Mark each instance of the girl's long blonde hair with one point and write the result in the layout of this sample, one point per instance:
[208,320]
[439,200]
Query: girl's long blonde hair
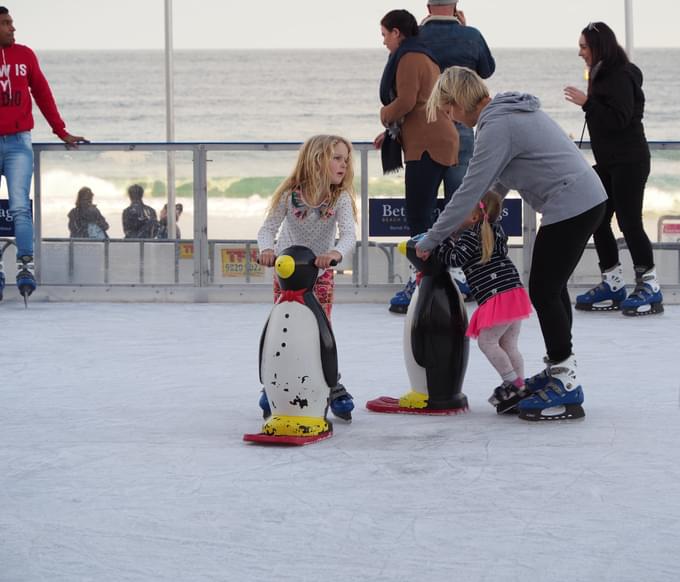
[456,85]
[489,210]
[312,174]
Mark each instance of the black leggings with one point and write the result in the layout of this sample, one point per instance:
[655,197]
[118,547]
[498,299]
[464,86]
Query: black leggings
[625,186]
[557,251]
[421,181]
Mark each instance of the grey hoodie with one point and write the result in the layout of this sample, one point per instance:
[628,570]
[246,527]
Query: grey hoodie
[519,147]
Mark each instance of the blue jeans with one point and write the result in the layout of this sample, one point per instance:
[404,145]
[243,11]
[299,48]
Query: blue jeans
[454,175]
[16,165]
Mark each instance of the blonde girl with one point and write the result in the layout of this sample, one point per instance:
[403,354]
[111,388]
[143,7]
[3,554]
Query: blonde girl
[310,207]
[481,250]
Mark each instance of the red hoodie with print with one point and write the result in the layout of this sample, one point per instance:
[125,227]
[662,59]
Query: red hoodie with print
[19,73]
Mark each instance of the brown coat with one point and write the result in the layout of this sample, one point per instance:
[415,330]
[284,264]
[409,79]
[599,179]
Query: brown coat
[416,76]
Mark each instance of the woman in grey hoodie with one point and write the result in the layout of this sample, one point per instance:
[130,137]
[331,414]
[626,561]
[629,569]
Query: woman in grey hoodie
[519,147]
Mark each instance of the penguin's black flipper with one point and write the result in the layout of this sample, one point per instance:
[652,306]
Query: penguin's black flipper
[329,351]
[264,334]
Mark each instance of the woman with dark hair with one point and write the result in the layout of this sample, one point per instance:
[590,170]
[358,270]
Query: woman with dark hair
[85,220]
[614,107]
[429,149]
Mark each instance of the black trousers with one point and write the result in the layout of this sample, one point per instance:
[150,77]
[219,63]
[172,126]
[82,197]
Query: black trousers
[625,186]
[421,180]
[557,251]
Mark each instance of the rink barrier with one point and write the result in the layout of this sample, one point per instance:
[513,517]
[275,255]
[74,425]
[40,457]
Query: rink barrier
[373,269]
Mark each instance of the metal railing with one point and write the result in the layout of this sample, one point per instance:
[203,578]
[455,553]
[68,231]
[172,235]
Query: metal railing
[204,248]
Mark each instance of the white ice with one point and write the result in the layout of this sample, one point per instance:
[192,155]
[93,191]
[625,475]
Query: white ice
[121,457]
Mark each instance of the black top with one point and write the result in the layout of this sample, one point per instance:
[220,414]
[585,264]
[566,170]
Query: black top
[614,112]
[139,221]
[81,217]
[488,279]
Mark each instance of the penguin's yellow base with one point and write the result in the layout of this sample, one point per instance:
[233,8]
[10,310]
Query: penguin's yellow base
[295,426]
[413,400]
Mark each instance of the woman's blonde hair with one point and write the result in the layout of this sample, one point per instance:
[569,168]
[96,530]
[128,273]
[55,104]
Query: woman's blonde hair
[456,86]
[312,174]
[489,209]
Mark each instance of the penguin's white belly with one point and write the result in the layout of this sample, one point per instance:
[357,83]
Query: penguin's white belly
[416,373]
[292,373]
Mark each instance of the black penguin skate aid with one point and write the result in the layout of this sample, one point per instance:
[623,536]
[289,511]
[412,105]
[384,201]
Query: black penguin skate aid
[298,357]
[435,345]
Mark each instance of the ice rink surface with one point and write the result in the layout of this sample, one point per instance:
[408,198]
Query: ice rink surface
[121,457]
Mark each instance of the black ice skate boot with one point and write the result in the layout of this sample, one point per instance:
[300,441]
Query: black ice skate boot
[26,276]
[507,396]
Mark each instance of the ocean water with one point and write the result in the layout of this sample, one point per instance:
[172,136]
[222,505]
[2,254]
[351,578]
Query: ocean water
[283,95]
[289,94]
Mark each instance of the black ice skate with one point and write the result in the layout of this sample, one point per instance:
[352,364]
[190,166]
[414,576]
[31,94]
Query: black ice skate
[507,396]
[26,277]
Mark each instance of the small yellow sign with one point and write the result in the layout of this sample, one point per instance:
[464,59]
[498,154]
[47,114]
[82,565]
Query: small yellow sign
[234,263]
[186,250]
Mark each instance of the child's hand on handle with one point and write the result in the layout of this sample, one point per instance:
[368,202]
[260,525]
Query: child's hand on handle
[329,259]
[422,254]
[267,258]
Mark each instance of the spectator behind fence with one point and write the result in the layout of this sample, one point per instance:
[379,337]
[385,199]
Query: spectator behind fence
[139,220]
[85,220]
[163,225]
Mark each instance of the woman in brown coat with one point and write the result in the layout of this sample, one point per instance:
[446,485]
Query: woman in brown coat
[429,148]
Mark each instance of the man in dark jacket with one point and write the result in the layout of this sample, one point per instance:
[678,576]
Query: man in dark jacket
[139,220]
[453,43]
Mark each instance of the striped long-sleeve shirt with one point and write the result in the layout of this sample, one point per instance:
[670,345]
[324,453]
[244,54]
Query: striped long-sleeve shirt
[488,279]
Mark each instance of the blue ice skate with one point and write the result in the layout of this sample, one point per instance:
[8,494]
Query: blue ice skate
[607,296]
[402,299]
[555,394]
[264,405]
[341,403]
[461,282]
[646,298]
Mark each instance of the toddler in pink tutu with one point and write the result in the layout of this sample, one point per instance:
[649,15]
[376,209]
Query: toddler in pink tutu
[481,250]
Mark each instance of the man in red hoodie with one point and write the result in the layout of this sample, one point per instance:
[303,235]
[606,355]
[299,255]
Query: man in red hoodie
[21,77]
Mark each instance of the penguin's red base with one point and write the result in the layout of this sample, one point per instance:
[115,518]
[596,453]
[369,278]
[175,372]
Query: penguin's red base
[270,439]
[390,405]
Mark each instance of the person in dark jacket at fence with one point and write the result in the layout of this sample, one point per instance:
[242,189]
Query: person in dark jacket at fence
[163,226]
[85,220]
[139,220]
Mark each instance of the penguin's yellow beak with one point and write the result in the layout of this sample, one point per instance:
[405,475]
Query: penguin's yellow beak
[284,266]
[401,247]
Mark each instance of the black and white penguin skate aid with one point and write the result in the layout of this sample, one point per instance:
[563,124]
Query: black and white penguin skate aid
[435,345]
[298,357]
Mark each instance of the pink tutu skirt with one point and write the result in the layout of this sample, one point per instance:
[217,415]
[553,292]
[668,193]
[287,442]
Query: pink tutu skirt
[503,308]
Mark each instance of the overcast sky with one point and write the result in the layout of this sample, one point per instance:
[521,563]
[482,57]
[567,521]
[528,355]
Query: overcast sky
[214,24]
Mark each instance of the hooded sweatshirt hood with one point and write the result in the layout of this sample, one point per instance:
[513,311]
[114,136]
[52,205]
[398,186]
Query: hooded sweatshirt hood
[510,102]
